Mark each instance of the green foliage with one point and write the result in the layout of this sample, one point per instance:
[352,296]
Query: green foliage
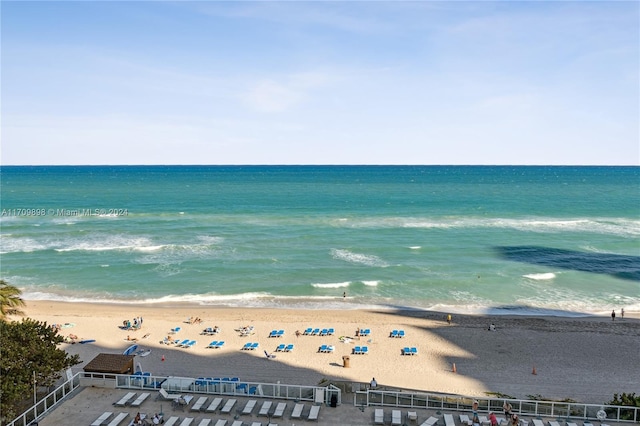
[26,347]
[626,400]
[10,301]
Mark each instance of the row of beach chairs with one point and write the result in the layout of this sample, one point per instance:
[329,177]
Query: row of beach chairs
[319,332]
[360,350]
[410,350]
[396,418]
[250,346]
[215,344]
[397,333]
[276,333]
[285,348]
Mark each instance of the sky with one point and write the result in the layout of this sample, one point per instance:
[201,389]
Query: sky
[320,82]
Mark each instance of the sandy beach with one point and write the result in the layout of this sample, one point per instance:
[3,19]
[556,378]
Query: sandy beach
[585,359]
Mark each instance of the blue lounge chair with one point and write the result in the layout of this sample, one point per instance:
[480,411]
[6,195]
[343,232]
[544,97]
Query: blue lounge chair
[394,333]
[274,333]
[406,351]
[213,344]
[307,331]
[246,346]
[330,332]
[280,333]
[357,350]
[174,330]
[364,350]
[280,347]
[220,344]
[315,332]
[414,351]
[191,344]
[181,344]
[400,333]
[289,347]
[254,346]
[324,332]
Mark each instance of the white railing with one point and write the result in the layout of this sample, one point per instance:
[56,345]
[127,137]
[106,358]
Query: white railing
[47,403]
[226,386]
[551,409]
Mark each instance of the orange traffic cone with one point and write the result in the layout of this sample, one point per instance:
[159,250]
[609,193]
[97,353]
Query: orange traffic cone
[534,371]
[162,359]
[453,368]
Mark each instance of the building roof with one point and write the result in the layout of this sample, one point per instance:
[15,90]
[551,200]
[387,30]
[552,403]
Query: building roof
[110,363]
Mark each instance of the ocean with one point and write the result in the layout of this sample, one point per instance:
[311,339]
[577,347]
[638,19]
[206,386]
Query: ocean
[463,239]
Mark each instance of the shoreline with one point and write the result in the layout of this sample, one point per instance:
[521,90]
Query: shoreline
[340,303]
[567,353]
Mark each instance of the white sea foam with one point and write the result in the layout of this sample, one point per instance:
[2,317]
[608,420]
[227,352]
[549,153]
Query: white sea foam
[10,244]
[331,285]
[358,258]
[371,283]
[541,276]
[609,226]
[415,247]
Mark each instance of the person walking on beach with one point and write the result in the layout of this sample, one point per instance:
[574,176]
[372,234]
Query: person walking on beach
[613,315]
[449,319]
[622,313]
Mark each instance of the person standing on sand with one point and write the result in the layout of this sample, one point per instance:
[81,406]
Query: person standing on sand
[449,319]
[613,315]
[622,313]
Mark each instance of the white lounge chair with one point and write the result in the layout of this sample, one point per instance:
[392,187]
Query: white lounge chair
[172,421]
[378,416]
[186,421]
[537,422]
[214,405]
[256,424]
[125,399]
[555,423]
[572,424]
[140,399]
[199,403]
[264,410]
[103,418]
[412,416]
[204,422]
[169,396]
[237,423]
[431,421]
[396,417]
[118,419]
[221,422]
[249,406]
[297,411]
[448,420]
[314,412]
[279,412]
[464,419]
[228,406]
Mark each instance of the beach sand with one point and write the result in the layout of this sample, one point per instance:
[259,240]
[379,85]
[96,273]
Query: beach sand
[585,359]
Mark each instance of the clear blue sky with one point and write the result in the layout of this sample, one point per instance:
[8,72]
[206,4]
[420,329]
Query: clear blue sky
[394,82]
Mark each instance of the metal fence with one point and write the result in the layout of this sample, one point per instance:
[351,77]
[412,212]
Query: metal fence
[549,409]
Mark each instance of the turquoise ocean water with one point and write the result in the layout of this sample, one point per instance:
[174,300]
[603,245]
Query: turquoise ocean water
[471,239]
